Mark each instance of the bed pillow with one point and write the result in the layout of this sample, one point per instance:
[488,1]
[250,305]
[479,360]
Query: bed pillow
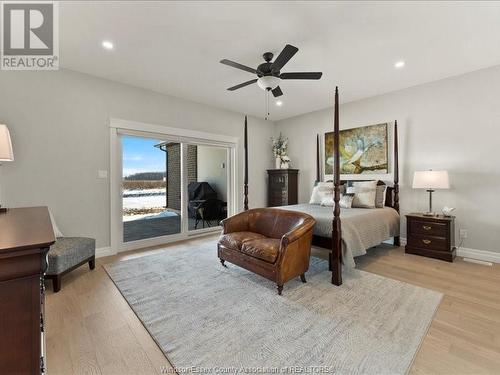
[344,202]
[327,200]
[364,194]
[315,196]
[380,196]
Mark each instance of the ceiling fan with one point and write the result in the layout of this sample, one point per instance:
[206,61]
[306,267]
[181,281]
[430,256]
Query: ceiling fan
[269,73]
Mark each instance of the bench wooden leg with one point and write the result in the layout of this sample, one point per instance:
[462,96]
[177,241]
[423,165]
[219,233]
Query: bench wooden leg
[303,278]
[92,263]
[280,289]
[56,283]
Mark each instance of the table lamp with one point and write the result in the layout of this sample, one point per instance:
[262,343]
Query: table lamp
[6,152]
[431,180]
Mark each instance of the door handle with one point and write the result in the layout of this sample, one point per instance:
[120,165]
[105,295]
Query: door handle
[426,227]
[427,242]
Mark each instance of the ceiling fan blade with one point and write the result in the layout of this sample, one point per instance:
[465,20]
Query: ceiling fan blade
[302,75]
[277,92]
[284,57]
[242,85]
[238,66]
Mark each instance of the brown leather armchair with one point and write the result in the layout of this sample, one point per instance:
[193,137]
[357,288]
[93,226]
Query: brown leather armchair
[271,242]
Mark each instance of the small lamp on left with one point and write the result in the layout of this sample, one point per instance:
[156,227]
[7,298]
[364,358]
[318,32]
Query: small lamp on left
[6,152]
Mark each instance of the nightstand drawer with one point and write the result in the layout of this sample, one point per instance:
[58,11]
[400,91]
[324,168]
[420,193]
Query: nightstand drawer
[428,242]
[429,228]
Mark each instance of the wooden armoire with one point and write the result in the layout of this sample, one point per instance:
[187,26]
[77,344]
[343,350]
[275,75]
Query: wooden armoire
[282,188]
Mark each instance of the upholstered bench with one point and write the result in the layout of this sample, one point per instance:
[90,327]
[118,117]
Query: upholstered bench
[67,254]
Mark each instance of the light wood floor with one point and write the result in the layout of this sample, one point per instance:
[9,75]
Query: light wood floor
[92,330]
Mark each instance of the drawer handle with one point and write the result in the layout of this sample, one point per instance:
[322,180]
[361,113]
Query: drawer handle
[426,227]
[426,241]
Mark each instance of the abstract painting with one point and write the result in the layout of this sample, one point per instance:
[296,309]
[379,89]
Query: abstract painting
[363,150]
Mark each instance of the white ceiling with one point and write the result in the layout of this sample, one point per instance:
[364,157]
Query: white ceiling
[175,47]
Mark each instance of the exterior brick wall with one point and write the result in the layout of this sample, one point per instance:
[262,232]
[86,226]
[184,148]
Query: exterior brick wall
[174,172]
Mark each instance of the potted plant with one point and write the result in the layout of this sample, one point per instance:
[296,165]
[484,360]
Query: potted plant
[280,150]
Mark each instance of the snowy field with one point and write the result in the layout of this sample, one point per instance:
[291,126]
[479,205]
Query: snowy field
[145,199]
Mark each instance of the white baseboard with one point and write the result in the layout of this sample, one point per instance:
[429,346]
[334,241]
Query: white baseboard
[483,255]
[104,252]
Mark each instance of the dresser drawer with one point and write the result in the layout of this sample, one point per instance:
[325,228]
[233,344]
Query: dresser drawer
[428,242]
[278,181]
[429,228]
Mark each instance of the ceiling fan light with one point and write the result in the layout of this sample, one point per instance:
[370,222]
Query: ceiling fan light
[268,82]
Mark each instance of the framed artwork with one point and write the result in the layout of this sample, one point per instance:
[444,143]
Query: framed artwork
[363,150]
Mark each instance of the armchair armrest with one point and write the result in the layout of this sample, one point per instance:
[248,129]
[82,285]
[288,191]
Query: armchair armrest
[297,232]
[236,223]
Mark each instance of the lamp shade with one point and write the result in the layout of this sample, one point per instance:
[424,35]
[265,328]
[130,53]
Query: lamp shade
[431,180]
[6,152]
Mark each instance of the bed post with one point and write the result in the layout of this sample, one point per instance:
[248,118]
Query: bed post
[336,254]
[396,177]
[245,182]
[318,174]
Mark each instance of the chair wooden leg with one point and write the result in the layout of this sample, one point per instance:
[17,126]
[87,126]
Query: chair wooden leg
[92,263]
[222,262]
[56,283]
[280,289]
[303,278]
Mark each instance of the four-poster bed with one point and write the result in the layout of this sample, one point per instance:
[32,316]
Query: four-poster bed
[360,228]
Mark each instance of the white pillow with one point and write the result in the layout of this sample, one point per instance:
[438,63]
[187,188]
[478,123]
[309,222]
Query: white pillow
[346,200]
[315,196]
[319,191]
[327,200]
[364,194]
[57,232]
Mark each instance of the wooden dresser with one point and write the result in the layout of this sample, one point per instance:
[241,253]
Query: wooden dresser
[282,187]
[431,236]
[26,235]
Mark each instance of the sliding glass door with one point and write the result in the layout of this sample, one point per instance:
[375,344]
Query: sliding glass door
[151,188]
[166,187]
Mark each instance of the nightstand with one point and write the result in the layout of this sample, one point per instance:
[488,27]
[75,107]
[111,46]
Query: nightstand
[431,236]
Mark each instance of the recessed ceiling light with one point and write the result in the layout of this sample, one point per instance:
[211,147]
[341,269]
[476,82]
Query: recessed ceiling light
[399,64]
[107,44]
[279,103]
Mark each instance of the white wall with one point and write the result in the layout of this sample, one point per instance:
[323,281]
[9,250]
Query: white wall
[59,127]
[210,160]
[452,124]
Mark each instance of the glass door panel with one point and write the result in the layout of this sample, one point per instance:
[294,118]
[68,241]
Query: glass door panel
[151,188]
[207,186]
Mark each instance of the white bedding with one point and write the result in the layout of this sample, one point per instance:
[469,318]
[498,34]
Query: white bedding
[362,228]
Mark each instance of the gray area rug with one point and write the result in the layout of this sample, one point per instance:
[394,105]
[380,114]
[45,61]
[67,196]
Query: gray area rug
[228,319]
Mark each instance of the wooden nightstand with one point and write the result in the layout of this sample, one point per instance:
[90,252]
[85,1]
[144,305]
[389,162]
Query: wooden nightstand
[431,236]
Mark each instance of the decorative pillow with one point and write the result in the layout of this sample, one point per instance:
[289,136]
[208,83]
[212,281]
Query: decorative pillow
[365,193]
[345,200]
[315,196]
[380,196]
[327,200]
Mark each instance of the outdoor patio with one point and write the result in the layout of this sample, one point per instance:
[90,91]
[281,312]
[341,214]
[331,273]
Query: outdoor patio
[135,230]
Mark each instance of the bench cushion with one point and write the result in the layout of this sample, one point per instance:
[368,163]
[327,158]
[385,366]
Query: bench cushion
[236,239]
[265,249]
[68,252]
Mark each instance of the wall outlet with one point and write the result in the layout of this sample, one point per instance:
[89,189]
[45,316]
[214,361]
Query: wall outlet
[463,233]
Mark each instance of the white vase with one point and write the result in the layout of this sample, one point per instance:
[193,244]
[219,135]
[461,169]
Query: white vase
[278,163]
[285,165]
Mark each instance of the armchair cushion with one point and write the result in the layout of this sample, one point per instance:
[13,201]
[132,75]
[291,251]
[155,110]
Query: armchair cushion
[266,249]
[235,240]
